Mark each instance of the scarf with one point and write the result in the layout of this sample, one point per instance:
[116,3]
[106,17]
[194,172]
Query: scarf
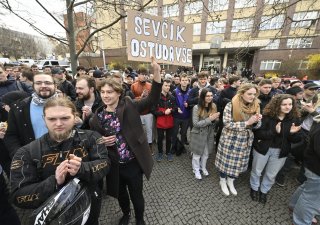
[242,111]
[41,101]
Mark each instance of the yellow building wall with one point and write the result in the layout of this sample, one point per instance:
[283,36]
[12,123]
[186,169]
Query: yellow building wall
[244,13]
[308,5]
[151,4]
[196,38]
[222,15]
[110,38]
[269,33]
[302,32]
[209,37]
[169,2]
[240,35]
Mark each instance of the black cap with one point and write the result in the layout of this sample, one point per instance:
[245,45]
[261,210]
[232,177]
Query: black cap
[294,82]
[98,74]
[311,86]
[294,90]
[56,70]
[13,96]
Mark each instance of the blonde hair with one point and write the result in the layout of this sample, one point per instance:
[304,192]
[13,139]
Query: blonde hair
[60,101]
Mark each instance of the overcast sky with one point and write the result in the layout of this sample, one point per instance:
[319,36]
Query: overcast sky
[30,10]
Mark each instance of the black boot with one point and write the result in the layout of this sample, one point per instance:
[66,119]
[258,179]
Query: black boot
[263,198]
[254,195]
[124,219]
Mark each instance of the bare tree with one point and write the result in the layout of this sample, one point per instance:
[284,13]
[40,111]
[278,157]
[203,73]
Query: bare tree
[16,44]
[89,7]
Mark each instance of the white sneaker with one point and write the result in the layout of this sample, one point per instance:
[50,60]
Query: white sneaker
[223,185]
[231,186]
[205,172]
[198,175]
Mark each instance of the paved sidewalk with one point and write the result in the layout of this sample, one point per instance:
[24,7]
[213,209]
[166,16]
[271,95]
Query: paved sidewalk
[173,197]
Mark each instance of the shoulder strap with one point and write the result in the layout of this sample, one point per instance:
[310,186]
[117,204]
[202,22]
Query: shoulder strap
[36,155]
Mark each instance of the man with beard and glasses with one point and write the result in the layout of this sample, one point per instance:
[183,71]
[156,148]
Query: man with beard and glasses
[88,99]
[61,154]
[25,120]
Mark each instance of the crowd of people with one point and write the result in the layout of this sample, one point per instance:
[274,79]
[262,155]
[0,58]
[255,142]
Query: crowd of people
[56,129]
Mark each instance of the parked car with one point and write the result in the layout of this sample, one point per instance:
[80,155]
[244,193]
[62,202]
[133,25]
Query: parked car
[4,60]
[49,62]
[28,62]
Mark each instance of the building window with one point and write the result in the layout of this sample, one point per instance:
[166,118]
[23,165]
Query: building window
[216,27]
[218,5]
[304,19]
[275,2]
[212,62]
[151,11]
[299,42]
[245,3]
[170,10]
[273,44]
[242,25]
[272,22]
[302,64]
[270,65]
[193,7]
[196,28]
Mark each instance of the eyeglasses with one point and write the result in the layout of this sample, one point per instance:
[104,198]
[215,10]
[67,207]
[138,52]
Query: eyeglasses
[47,83]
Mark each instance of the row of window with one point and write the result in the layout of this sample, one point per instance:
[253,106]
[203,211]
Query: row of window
[276,65]
[291,43]
[195,7]
[301,19]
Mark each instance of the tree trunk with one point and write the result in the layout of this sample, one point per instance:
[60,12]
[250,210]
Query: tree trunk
[72,38]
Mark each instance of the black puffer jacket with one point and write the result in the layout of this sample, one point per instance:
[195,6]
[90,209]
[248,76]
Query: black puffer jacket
[266,136]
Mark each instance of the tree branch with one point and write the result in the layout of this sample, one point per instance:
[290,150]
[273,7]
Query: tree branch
[52,16]
[8,7]
[106,27]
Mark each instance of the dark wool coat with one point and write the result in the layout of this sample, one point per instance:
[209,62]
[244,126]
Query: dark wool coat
[20,131]
[128,111]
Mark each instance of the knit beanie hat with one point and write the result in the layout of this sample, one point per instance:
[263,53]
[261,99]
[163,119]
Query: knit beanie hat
[13,96]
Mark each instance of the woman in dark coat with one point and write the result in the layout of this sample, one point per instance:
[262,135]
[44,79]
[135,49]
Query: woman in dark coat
[118,121]
[272,143]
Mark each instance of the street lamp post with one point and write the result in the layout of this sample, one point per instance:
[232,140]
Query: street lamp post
[103,54]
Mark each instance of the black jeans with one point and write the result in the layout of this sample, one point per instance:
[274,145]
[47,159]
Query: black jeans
[130,178]
[96,200]
[183,124]
[7,213]
[168,139]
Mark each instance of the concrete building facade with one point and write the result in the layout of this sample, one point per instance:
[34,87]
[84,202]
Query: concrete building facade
[262,35]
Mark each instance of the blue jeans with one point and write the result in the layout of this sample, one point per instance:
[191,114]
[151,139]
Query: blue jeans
[305,201]
[271,163]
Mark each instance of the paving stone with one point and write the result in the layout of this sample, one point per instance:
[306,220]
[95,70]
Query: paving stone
[174,196]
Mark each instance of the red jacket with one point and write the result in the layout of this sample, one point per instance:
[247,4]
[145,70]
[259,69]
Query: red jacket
[165,102]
